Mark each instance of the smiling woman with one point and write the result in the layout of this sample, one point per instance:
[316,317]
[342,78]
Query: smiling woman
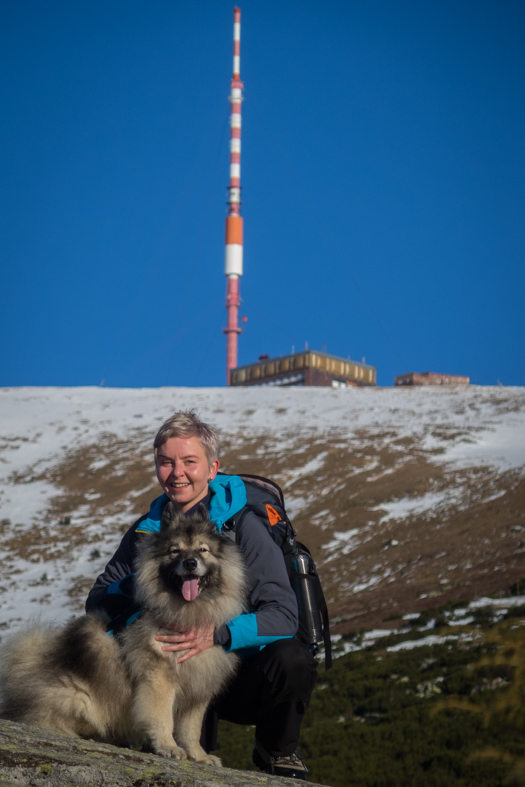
[186,459]
[278,672]
[184,472]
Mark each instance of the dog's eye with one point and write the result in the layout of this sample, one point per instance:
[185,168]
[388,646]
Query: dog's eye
[203,549]
[174,551]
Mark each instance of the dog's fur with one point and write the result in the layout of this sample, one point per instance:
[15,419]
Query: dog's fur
[79,680]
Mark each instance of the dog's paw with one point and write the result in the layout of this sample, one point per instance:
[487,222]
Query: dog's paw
[208,759]
[175,752]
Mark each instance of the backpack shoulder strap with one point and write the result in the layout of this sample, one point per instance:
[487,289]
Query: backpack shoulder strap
[231,528]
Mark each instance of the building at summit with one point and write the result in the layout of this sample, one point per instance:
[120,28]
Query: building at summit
[308,367]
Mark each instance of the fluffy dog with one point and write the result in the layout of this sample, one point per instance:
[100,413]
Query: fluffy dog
[124,689]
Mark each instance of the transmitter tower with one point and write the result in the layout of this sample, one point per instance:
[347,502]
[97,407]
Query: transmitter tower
[234,229]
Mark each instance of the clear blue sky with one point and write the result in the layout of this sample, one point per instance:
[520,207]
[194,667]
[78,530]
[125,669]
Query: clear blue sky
[383,181]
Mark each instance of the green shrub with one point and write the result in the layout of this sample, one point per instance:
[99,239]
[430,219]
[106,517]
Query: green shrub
[368,725]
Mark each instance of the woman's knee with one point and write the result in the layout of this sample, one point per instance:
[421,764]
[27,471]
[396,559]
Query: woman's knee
[289,662]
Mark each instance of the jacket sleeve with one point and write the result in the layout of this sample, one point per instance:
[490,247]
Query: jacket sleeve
[112,593]
[271,599]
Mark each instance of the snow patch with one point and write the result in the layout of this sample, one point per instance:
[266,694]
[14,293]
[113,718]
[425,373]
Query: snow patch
[40,426]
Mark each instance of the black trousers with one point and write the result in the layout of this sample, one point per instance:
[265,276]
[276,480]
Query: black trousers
[270,690]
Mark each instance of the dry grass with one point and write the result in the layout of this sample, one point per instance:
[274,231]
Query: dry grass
[470,547]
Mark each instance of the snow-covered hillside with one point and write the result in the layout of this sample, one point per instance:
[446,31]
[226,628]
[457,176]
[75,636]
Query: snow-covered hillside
[408,496]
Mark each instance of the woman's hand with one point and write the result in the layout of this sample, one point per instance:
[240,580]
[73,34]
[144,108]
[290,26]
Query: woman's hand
[194,640]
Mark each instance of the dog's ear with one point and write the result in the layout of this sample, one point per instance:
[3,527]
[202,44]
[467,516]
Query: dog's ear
[169,516]
[203,511]
[203,519]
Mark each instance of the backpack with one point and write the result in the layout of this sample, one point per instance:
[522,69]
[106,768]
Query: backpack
[265,498]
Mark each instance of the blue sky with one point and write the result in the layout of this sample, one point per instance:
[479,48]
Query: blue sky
[383,183]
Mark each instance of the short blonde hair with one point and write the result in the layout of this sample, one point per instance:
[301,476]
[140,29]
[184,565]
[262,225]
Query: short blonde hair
[185,423]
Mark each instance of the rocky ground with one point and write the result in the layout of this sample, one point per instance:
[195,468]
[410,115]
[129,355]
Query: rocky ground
[31,756]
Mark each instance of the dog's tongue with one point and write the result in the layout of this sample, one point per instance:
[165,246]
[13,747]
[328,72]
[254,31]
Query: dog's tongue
[190,589]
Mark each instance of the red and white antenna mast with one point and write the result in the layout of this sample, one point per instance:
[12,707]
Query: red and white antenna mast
[234,245]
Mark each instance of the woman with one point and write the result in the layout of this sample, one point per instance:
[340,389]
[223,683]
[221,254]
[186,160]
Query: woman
[277,674]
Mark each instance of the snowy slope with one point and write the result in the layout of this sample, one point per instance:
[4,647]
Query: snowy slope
[405,494]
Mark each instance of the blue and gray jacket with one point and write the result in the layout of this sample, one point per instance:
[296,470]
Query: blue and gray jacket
[271,599]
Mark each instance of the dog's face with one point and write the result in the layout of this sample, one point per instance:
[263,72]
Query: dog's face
[188,572]
[190,564]
[190,553]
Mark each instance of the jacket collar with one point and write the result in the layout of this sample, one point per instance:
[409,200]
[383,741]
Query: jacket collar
[228,496]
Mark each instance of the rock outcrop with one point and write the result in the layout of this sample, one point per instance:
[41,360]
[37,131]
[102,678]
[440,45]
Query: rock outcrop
[32,757]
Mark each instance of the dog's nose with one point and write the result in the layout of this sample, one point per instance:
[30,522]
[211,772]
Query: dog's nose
[190,564]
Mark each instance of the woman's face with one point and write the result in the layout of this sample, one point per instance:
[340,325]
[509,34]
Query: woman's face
[184,472]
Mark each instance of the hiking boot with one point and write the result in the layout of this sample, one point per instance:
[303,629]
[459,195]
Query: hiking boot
[292,765]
